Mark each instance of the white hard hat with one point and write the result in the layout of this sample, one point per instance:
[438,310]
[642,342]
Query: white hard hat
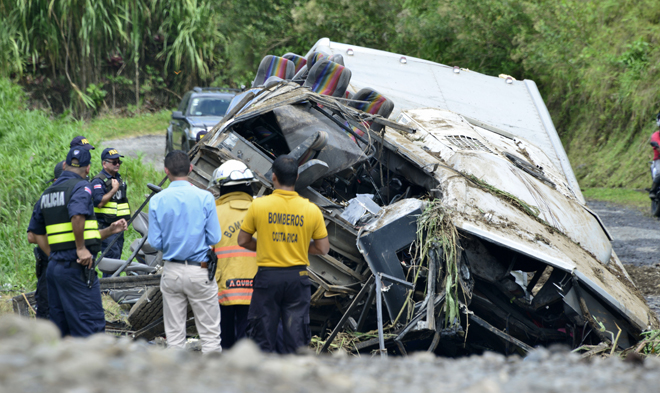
[231,173]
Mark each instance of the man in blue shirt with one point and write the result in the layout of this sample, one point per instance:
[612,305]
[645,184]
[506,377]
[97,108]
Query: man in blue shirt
[183,223]
[110,200]
[64,225]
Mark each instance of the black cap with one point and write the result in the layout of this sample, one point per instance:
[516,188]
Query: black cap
[57,172]
[81,141]
[82,154]
[110,153]
[200,135]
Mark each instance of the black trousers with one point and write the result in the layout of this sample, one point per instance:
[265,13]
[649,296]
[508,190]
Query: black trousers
[233,324]
[41,294]
[280,295]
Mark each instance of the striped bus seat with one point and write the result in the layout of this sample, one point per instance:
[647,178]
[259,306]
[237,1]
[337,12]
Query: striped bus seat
[298,61]
[312,58]
[273,66]
[328,78]
[374,103]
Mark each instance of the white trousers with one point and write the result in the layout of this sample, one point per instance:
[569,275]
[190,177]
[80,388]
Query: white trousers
[181,284]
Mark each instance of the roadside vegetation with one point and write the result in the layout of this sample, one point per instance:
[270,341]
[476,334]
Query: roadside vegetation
[595,62]
[621,196]
[31,143]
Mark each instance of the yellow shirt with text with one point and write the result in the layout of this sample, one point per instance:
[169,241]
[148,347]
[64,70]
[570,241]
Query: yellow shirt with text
[285,223]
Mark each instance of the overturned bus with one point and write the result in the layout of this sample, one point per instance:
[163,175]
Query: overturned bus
[455,222]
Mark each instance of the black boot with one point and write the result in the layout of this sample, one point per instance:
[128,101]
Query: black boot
[654,189]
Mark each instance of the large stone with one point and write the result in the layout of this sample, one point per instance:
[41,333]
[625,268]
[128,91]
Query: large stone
[18,334]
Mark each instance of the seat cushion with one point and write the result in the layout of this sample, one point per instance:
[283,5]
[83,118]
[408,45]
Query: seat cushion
[273,66]
[328,78]
[298,61]
[376,103]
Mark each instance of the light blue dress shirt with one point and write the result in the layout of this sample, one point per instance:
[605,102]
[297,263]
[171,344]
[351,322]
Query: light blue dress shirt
[183,222]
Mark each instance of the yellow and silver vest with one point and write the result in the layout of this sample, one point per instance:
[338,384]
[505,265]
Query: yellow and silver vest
[59,230]
[236,265]
[117,207]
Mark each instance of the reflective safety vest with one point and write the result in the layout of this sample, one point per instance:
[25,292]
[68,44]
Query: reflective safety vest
[59,229]
[236,265]
[117,207]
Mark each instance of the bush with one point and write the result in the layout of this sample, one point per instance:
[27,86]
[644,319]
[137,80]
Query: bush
[30,145]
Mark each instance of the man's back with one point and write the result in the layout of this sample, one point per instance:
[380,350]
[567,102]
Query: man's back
[285,223]
[183,222]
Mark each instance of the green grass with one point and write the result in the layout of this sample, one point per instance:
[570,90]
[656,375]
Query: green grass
[108,127]
[623,196]
[31,144]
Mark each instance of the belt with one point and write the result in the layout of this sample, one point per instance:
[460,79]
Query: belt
[295,268]
[203,265]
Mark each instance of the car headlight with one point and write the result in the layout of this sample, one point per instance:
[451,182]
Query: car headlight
[192,133]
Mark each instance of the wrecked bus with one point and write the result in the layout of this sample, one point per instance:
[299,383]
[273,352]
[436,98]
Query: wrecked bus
[456,224]
[455,221]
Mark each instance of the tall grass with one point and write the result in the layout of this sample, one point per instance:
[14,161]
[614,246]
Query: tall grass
[31,144]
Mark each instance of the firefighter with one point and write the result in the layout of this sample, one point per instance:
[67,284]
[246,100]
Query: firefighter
[289,228]
[236,265]
[110,200]
[64,219]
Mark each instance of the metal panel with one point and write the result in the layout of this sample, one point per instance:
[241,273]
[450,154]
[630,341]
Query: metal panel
[516,108]
[383,237]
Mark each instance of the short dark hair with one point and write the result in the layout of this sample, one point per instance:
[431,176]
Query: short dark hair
[178,163]
[285,169]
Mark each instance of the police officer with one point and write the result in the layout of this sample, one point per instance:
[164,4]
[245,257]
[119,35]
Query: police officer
[41,257]
[110,200]
[236,265]
[64,218]
[82,142]
[289,228]
[200,135]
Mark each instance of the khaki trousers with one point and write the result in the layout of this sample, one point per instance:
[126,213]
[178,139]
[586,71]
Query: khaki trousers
[181,284]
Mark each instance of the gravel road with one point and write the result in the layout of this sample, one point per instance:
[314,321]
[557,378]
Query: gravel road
[152,148]
[34,359]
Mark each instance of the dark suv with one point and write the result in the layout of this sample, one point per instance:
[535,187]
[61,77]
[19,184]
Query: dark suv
[200,110]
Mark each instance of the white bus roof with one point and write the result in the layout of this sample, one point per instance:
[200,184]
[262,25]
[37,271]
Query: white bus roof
[516,107]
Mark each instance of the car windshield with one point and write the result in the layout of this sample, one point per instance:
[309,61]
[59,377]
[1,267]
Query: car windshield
[208,106]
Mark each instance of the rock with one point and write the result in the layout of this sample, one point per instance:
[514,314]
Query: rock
[537,355]
[245,354]
[20,333]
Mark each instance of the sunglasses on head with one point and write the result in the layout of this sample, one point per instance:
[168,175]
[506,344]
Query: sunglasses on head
[114,162]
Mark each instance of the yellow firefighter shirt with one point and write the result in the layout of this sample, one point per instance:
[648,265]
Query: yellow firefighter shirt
[285,224]
[236,265]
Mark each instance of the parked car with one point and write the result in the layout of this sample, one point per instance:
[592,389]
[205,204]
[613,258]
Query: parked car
[200,110]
